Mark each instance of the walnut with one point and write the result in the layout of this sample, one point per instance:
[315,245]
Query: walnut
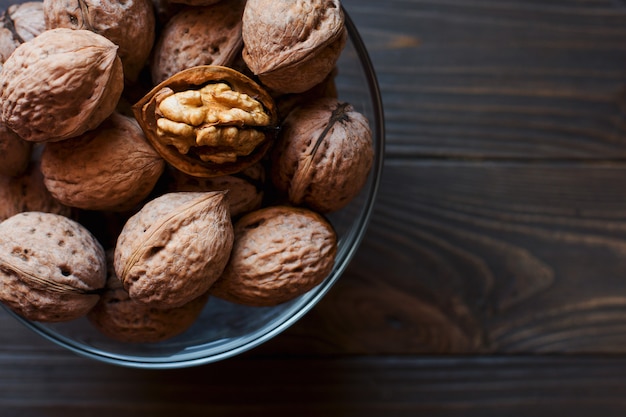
[292,45]
[18,24]
[279,253]
[174,248]
[208,35]
[14,153]
[287,102]
[198,2]
[245,188]
[73,76]
[51,267]
[208,120]
[164,10]
[119,317]
[323,155]
[27,192]
[112,167]
[129,24]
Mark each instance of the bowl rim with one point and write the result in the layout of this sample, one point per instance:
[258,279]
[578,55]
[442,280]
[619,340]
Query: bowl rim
[299,308]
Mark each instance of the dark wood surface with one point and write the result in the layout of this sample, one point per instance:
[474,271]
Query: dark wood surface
[492,279]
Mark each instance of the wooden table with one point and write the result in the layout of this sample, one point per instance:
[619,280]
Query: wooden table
[492,279]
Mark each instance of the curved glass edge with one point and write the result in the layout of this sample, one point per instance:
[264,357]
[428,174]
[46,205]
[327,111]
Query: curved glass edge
[299,309]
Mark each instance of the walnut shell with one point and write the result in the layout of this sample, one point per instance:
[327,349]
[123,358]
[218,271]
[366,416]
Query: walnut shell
[174,248]
[197,2]
[287,102]
[51,268]
[245,188]
[164,10]
[73,76]
[14,152]
[292,45]
[112,167]
[194,36]
[119,317]
[208,120]
[27,192]
[279,253]
[323,155]
[129,24]
[18,24]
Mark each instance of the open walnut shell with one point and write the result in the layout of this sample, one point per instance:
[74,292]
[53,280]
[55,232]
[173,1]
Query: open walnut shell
[208,120]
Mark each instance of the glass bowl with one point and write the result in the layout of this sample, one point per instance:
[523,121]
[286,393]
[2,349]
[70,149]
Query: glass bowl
[223,329]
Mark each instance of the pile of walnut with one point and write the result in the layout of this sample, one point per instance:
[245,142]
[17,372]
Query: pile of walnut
[153,155]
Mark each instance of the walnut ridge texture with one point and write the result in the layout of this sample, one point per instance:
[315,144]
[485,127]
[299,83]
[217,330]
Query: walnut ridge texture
[200,143]
[63,74]
[51,268]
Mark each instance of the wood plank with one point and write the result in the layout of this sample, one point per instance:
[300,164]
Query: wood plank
[499,79]
[312,387]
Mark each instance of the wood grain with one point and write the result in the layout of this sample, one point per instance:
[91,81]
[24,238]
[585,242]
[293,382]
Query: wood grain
[313,387]
[495,257]
[499,79]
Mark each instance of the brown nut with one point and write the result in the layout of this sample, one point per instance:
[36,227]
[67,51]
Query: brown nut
[174,248]
[14,152]
[245,188]
[119,317]
[27,192]
[196,2]
[323,155]
[208,120]
[129,24]
[51,268]
[18,24]
[112,167]
[292,46]
[73,76]
[287,102]
[209,35]
[279,253]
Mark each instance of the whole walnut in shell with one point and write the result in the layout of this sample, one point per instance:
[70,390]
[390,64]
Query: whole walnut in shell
[323,155]
[51,268]
[197,2]
[292,45]
[119,317]
[60,84]
[14,152]
[27,192]
[279,253]
[129,24]
[18,24]
[245,188]
[164,10]
[112,167]
[209,35]
[174,248]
